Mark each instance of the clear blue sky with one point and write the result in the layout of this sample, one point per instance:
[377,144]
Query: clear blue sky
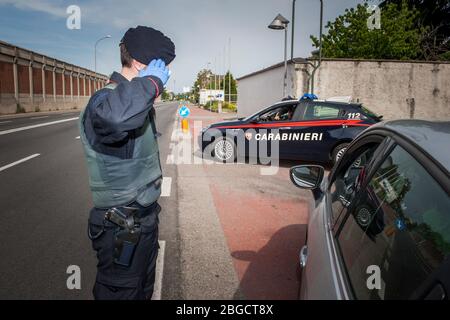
[200,30]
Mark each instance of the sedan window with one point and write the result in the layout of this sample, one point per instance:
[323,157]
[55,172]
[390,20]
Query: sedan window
[282,113]
[319,111]
[399,225]
[343,188]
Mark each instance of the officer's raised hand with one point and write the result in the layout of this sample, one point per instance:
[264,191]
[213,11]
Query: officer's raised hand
[156,68]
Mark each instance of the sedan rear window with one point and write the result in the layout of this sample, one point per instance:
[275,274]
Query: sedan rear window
[321,111]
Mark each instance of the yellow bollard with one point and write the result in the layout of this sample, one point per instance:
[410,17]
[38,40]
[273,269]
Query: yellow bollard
[185,125]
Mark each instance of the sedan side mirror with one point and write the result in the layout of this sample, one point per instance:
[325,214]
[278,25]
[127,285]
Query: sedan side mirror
[307,176]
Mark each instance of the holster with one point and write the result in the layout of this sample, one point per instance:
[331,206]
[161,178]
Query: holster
[126,235]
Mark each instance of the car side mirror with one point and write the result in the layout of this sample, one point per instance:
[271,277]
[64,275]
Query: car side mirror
[307,176]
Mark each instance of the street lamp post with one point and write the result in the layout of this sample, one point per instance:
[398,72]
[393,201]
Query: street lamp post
[95,51]
[320,48]
[280,23]
[292,29]
[320,35]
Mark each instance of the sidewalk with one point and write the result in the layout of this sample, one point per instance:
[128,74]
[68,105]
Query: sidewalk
[241,231]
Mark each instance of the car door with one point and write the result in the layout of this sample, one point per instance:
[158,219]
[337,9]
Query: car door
[318,130]
[271,129]
[322,262]
[356,121]
[393,237]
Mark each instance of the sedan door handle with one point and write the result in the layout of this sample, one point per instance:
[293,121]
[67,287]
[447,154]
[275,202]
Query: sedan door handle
[285,128]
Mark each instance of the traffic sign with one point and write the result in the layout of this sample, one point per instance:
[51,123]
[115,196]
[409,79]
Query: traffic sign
[184,111]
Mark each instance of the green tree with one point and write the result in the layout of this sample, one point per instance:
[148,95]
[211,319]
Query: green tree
[203,81]
[224,84]
[165,95]
[349,36]
[434,19]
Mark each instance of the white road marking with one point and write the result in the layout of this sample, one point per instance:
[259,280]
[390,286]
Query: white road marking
[19,161]
[170,159]
[157,289]
[77,138]
[39,117]
[166,187]
[67,114]
[5,121]
[36,126]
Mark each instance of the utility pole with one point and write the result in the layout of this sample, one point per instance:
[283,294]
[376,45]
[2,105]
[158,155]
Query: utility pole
[224,68]
[229,70]
[215,74]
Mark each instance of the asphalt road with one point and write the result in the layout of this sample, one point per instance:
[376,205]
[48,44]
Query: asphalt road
[44,206]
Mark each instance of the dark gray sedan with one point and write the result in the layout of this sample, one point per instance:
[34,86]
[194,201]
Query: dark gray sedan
[379,226]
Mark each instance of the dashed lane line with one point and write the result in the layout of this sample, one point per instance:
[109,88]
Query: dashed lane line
[19,161]
[159,272]
[166,187]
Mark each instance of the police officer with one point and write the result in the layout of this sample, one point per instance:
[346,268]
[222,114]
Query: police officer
[118,133]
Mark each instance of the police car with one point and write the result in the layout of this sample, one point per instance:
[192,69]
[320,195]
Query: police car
[306,129]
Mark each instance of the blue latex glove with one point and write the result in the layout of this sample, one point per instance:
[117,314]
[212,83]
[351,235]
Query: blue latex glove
[156,68]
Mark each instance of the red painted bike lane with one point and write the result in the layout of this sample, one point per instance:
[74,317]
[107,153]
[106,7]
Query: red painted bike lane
[264,221]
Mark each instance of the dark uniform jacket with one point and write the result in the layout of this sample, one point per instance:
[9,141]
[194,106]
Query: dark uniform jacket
[110,125]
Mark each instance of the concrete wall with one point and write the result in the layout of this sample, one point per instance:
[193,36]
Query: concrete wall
[30,82]
[395,89]
[263,89]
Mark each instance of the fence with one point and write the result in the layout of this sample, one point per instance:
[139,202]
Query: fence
[34,82]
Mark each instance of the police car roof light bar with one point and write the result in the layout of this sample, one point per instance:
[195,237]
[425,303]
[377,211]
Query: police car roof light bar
[309,96]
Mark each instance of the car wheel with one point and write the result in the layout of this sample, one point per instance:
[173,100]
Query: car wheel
[224,150]
[338,152]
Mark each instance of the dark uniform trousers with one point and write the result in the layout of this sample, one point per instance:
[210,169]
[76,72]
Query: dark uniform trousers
[116,282]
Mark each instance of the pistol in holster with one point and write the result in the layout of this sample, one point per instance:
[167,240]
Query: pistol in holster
[126,235]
